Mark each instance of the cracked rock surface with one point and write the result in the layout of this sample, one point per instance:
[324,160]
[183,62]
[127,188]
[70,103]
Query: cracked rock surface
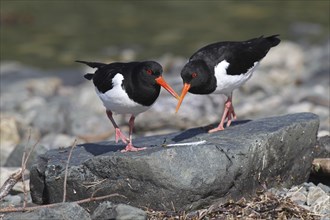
[175,172]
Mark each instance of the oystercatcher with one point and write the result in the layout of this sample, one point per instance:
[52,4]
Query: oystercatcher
[221,67]
[127,88]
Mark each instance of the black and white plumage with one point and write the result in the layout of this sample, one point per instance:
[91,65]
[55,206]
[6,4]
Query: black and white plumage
[127,88]
[221,67]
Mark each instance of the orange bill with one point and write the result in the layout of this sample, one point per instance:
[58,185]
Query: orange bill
[185,89]
[164,84]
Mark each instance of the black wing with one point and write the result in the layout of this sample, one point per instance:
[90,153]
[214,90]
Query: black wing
[102,78]
[241,56]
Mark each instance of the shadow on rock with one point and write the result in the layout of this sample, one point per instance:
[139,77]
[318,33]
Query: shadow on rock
[101,148]
[188,134]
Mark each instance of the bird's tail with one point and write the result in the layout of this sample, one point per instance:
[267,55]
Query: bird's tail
[89,76]
[273,40]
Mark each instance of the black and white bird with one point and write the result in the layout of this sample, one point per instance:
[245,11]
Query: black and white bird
[221,67]
[127,88]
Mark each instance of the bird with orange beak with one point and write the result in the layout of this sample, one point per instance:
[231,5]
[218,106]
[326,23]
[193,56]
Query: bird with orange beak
[221,67]
[127,88]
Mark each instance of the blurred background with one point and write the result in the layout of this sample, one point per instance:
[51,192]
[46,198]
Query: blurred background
[45,97]
[52,34]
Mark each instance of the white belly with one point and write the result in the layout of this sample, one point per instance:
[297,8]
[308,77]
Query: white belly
[227,83]
[117,100]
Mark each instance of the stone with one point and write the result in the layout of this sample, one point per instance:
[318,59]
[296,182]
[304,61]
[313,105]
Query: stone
[314,194]
[46,86]
[48,142]
[90,126]
[307,185]
[322,148]
[9,136]
[53,141]
[108,210]
[321,205]
[25,138]
[32,102]
[298,197]
[287,55]
[16,200]
[6,172]
[325,188]
[61,212]
[185,170]
[11,200]
[87,98]
[51,117]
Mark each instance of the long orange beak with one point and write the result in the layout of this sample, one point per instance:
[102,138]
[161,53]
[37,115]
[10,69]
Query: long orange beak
[185,89]
[164,84]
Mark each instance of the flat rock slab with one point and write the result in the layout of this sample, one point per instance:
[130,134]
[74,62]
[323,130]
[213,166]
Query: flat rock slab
[185,170]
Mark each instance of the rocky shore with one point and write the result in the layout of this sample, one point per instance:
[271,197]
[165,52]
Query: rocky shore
[56,107]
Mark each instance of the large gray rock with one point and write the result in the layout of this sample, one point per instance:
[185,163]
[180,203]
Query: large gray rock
[227,164]
[61,212]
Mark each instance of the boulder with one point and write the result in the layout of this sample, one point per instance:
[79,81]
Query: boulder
[185,170]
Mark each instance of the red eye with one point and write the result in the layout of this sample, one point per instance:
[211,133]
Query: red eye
[194,75]
[149,72]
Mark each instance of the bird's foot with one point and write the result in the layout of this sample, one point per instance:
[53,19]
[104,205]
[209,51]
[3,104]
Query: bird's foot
[131,148]
[219,128]
[120,135]
[228,114]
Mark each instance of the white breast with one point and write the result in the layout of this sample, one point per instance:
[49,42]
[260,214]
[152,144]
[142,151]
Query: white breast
[117,99]
[227,83]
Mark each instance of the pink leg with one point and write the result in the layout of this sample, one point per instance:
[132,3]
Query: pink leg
[228,114]
[119,134]
[130,146]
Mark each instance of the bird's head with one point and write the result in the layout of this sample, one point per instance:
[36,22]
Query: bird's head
[152,71]
[196,78]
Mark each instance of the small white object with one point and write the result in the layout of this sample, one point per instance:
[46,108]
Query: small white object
[185,144]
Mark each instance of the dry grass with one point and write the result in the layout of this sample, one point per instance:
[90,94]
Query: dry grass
[263,206]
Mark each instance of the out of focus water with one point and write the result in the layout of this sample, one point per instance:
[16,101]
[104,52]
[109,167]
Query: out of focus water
[55,33]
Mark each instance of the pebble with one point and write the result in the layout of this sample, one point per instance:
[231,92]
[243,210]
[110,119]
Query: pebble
[11,200]
[108,210]
[314,194]
[9,136]
[51,117]
[45,88]
[321,205]
[6,172]
[325,188]
[298,197]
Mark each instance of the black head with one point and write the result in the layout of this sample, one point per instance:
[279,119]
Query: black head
[197,79]
[198,75]
[150,72]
